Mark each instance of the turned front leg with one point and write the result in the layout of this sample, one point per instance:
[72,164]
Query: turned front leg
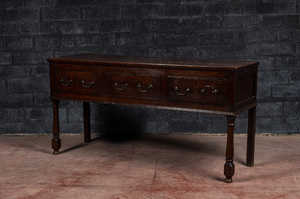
[229,165]
[56,142]
[251,136]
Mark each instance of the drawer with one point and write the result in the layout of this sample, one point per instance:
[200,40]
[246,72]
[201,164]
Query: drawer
[197,89]
[134,86]
[77,82]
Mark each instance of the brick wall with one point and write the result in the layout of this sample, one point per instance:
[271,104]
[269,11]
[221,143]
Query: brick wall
[33,30]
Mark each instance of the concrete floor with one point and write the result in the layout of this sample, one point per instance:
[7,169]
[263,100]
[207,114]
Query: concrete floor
[150,166]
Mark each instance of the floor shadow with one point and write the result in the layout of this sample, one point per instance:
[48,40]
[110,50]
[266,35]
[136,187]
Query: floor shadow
[120,124]
[78,146]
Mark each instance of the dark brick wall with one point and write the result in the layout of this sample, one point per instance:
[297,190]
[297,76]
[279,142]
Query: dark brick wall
[33,30]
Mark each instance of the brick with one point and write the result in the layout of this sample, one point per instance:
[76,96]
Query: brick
[142,11]
[275,49]
[233,22]
[265,63]
[40,70]
[124,25]
[231,51]
[189,126]
[16,100]
[3,115]
[157,127]
[5,58]
[295,76]
[79,3]
[160,52]
[251,21]
[31,57]
[178,39]
[279,21]
[9,43]
[8,29]
[225,37]
[199,24]
[27,28]
[289,35]
[51,43]
[8,72]
[76,115]
[241,125]
[47,3]
[286,91]
[222,8]
[270,7]
[60,14]
[13,128]
[19,16]
[24,85]
[8,4]
[264,125]
[264,90]
[70,27]
[16,115]
[37,114]
[107,12]
[104,40]
[26,4]
[274,77]
[187,52]
[49,27]
[269,109]
[148,1]
[160,25]
[291,108]
[258,36]
[183,10]
[285,125]
[3,86]
[83,41]
[74,128]
[287,62]
[41,99]
[135,39]
[85,27]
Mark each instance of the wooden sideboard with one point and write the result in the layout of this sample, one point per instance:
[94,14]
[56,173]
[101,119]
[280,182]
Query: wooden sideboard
[219,87]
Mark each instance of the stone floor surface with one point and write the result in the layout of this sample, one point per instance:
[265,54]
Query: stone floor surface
[148,166]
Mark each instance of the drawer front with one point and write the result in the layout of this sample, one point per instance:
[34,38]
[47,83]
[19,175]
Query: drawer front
[77,82]
[134,86]
[197,89]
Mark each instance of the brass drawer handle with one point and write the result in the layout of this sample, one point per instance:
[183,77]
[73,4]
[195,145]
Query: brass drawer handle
[87,86]
[186,91]
[62,81]
[213,90]
[150,87]
[121,89]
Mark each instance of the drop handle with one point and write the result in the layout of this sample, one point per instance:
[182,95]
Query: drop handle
[186,91]
[87,86]
[150,87]
[124,86]
[62,81]
[213,90]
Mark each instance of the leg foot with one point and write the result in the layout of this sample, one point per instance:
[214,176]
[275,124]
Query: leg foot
[229,168]
[56,144]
